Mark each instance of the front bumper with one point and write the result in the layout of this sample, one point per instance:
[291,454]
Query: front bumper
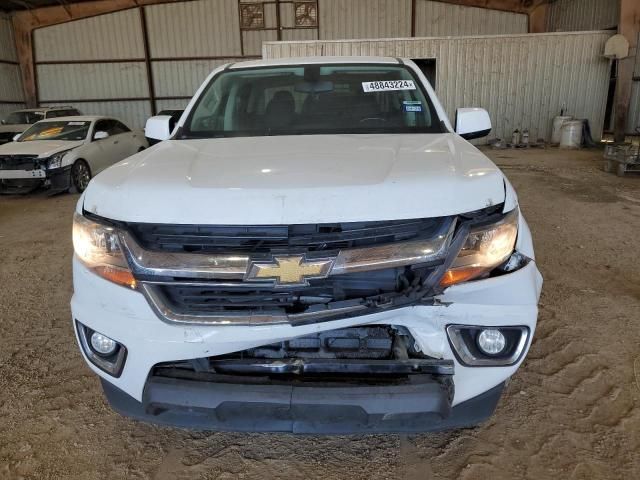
[125,316]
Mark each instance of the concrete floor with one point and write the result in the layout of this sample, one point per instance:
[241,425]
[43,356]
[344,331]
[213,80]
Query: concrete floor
[571,412]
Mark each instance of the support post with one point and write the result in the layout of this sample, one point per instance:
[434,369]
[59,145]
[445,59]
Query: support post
[629,26]
[24,49]
[538,19]
[147,61]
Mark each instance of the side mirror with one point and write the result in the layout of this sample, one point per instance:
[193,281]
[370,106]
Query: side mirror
[99,135]
[3,121]
[158,127]
[472,123]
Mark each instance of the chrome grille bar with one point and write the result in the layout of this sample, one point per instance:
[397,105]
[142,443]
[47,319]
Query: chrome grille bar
[234,267]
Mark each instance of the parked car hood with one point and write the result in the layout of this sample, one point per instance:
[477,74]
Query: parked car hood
[42,148]
[16,128]
[297,179]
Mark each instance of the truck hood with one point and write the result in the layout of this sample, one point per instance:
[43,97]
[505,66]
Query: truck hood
[42,148]
[297,179]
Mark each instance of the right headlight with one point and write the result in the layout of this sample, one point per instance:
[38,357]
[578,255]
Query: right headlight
[485,248]
[98,248]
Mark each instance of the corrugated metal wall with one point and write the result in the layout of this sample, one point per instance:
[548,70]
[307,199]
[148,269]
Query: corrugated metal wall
[574,15]
[364,18]
[100,69]
[437,19]
[113,36]
[11,95]
[181,78]
[187,41]
[194,29]
[340,19]
[522,80]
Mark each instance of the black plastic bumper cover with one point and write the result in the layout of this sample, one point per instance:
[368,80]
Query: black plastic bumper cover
[417,407]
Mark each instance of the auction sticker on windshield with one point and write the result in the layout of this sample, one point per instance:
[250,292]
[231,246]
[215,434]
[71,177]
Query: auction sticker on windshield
[388,85]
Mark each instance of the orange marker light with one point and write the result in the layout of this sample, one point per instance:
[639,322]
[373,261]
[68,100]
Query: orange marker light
[459,275]
[116,275]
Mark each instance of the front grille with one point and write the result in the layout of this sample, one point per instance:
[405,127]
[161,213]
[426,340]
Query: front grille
[18,162]
[219,298]
[271,239]
[202,274]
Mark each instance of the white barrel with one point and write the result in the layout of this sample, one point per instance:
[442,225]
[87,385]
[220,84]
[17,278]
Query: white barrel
[571,134]
[557,128]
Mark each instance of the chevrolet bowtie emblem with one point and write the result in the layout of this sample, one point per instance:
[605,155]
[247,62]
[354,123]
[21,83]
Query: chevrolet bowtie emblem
[289,270]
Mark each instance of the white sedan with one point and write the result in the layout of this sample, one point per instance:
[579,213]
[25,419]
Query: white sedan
[66,152]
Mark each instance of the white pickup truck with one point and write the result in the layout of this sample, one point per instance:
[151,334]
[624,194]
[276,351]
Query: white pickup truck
[314,248]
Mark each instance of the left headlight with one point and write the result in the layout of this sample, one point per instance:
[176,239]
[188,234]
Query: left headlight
[485,248]
[98,247]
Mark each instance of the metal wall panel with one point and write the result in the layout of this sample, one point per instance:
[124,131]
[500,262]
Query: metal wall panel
[270,15]
[341,19]
[111,36]
[194,29]
[437,19]
[574,15]
[92,81]
[10,83]
[287,15]
[7,108]
[182,78]
[7,41]
[300,34]
[252,40]
[10,80]
[134,114]
[522,80]
[173,104]
[633,115]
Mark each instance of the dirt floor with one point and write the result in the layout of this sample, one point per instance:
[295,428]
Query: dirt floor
[571,412]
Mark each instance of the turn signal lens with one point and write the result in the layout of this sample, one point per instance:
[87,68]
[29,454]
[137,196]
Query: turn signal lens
[453,276]
[116,275]
[98,247]
[485,248]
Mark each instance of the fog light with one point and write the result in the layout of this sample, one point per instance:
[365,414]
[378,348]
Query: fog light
[102,351]
[103,344]
[480,346]
[490,341]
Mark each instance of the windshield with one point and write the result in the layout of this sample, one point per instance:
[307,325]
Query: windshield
[62,130]
[23,118]
[312,99]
